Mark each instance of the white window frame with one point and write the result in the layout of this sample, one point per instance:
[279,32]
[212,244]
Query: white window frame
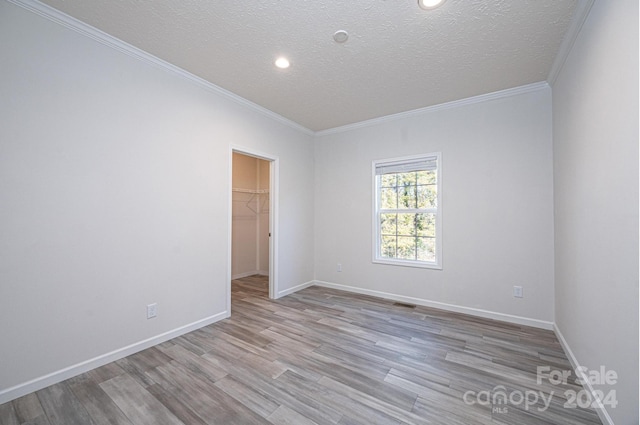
[377,258]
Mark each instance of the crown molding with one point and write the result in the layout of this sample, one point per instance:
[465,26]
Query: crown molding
[102,37]
[542,85]
[54,15]
[580,16]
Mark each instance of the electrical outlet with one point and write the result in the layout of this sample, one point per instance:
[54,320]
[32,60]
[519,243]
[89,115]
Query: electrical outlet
[339,267]
[152,310]
[517,291]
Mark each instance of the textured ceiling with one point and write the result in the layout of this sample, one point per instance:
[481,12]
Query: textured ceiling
[398,57]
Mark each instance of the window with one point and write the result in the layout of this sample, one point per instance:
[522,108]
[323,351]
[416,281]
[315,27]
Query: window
[407,211]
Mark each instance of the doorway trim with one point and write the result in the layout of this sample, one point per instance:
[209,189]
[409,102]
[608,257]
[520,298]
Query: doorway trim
[274,178]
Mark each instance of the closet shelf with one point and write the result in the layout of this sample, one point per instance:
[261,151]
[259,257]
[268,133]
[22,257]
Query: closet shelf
[254,191]
[261,201]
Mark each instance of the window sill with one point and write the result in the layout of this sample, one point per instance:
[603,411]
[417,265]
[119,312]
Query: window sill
[415,264]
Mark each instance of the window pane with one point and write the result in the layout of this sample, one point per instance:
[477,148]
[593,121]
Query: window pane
[388,199]
[388,224]
[406,197]
[406,247]
[388,247]
[427,196]
[426,177]
[407,179]
[388,180]
[426,249]
[425,225]
[406,224]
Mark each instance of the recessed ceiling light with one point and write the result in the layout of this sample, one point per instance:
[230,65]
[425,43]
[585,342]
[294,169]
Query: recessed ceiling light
[282,63]
[430,4]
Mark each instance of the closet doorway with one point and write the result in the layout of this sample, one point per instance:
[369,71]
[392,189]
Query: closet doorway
[253,219]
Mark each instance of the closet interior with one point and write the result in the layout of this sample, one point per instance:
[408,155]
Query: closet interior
[250,216]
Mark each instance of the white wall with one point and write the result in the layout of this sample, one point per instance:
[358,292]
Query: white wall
[595,133]
[114,189]
[250,217]
[497,205]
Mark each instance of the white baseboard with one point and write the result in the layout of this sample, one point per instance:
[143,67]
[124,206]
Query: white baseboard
[295,289]
[39,383]
[245,274]
[250,273]
[536,323]
[602,411]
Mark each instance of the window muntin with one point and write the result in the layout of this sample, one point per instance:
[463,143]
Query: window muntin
[407,211]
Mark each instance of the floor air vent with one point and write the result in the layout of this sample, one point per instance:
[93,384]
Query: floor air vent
[404,305]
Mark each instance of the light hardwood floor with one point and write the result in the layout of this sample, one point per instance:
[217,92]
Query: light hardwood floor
[318,356]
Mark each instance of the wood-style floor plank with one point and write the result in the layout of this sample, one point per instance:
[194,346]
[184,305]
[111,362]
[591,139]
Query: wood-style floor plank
[285,416]
[137,403]
[28,409]
[99,405]
[319,356]
[175,405]
[62,406]
[262,404]
[212,404]
[8,415]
